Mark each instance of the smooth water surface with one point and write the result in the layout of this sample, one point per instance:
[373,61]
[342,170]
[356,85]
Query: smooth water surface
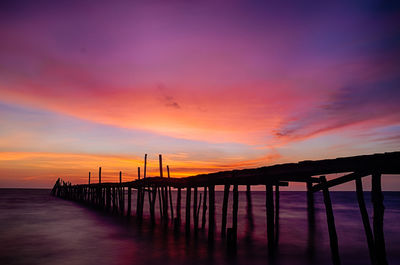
[37,228]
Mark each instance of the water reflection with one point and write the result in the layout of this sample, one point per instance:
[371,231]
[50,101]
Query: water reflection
[39,229]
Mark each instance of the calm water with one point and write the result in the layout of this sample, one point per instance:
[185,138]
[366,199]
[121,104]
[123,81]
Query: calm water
[39,229]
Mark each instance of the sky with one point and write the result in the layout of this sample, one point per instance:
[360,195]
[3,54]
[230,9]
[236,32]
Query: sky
[210,85]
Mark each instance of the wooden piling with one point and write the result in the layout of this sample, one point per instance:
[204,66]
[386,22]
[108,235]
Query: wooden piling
[365,220]
[249,210]
[224,210]
[170,196]
[89,177]
[99,174]
[211,214]
[122,195]
[331,224]
[160,204]
[188,198]
[178,206]
[152,203]
[379,208]
[129,201]
[198,212]
[164,197]
[269,202]
[203,221]
[108,199]
[143,192]
[235,207]
[310,204]
[195,220]
[276,214]
[145,166]
[114,200]
[138,198]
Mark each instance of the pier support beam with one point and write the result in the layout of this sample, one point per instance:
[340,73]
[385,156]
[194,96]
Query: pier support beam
[152,203]
[224,210]
[211,215]
[331,224]
[138,197]
[188,198]
[170,196]
[178,206]
[379,208]
[129,201]
[114,207]
[310,201]
[276,214]
[249,209]
[160,203]
[365,220]
[108,199]
[235,207]
[203,220]
[269,203]
[195,220]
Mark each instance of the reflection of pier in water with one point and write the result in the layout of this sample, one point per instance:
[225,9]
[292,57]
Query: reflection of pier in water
[111,197]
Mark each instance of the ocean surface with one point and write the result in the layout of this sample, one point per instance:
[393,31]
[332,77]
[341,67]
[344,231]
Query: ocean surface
[36,228]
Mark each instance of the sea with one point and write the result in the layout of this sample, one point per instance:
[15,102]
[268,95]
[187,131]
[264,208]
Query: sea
[37,228]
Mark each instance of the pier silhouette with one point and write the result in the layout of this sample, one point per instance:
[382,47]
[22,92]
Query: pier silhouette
[110,197]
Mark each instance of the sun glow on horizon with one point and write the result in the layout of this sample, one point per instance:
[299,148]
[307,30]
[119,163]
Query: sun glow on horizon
[211,86]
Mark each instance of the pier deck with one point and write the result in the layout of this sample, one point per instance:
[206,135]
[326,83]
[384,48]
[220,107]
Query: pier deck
[111,196]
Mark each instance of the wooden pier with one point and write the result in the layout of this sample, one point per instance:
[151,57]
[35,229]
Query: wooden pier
[111,196]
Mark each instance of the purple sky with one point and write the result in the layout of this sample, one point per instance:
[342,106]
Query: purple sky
[211,85]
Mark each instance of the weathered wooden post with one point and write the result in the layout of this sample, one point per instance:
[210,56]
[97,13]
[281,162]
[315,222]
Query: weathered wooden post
[310,206]
[203,221]
[138,196]
[122,194]
[365,220]
[195,220]
[163,192]
[249,210]
[99,175]
[108,199]
[379,208]
[170,196]
[188,197]
[88,191]
[276,213]
[143,188]
[224,210]
[211,214]
[152,205]
[160,203]
[235,207]
[178,206]
[129,201]
[145,166]
[269,202]
[331,223]
[114,199]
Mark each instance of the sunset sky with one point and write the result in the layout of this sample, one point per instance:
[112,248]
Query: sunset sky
[211,85]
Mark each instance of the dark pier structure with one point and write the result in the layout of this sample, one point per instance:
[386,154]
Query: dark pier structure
[111,196]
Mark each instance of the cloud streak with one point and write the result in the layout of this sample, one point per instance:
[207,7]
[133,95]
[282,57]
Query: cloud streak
[237,85]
